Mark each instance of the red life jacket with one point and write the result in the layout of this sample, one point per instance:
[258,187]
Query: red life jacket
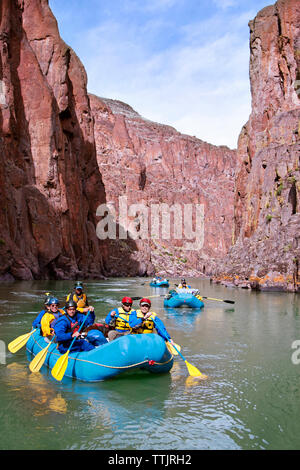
[74,325]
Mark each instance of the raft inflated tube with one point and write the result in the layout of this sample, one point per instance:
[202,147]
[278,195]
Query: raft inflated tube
[163,283]
[140,351]
[179,299]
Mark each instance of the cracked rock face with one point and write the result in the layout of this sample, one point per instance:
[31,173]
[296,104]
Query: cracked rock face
[65,153]
[49,178]
[267,201]
[153,164]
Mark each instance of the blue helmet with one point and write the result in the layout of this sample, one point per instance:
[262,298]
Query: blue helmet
[53,300]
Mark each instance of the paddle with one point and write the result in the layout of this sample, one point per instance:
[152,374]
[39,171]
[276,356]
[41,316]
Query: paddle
[193,371]
[61,364]
[219,300]
[19,342]
[173,350]
[39,359]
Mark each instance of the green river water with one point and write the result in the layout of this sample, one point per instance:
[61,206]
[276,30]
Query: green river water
[251,399]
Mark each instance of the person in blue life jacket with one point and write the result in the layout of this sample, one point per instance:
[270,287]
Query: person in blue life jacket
[145,321]
[50,318]
[67,326]
[119,317]
[37,321]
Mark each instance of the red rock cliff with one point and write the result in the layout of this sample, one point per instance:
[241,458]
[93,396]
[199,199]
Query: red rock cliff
[153,164]
[267,199]
[50,184]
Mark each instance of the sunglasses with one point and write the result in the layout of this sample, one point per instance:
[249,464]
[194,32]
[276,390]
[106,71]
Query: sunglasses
[71,308]
[145,305]
[127,304]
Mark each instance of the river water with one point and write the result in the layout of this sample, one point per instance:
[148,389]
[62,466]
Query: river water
[251,399]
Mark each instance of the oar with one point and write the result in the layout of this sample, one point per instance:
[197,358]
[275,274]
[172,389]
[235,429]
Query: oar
[173,350]
[39,359]
[219,300]
[19,342]
[61,364]
[193,371]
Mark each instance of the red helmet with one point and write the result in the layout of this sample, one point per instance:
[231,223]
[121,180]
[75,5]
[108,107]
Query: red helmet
[145,301]
[127,300]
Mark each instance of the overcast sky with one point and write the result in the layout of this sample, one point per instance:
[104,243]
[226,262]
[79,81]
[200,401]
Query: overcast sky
[179,62]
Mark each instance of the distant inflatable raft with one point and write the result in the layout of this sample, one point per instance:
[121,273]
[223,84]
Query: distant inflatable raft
[142,351]
[164,283]
[183,299]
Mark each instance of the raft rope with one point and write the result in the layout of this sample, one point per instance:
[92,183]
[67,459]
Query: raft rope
[105,365]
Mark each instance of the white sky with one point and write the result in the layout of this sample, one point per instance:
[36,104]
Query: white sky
[184,63]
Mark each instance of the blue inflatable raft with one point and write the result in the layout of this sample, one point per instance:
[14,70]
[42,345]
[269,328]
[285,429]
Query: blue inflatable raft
[162,283]
[141,351]
[183,299]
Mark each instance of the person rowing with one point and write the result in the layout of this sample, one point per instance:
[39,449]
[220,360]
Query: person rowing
[37,321]
[145,321]
[50,318]
[80,298]
[119,317]
[183,284]
[67,326]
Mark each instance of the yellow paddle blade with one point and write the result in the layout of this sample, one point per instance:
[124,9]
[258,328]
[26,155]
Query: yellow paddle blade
[60,366]
[194,372]
[19,342]
[39,360]
[173,350]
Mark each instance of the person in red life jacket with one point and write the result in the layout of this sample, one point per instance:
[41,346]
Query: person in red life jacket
[67,326]
[80,298]
[119,317]
[145,321]
[50,318]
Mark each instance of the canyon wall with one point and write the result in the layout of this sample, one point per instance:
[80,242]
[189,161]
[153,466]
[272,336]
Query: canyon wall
[154,165]
[50,184]
[65,153]
[266,252]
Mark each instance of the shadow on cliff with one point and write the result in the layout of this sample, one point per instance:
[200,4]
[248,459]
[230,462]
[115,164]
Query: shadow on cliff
[84,187]
[49,232]
[17,168]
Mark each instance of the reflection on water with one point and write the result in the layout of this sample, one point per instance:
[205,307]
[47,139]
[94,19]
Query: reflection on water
[251,399]
[35,390]
[183,317]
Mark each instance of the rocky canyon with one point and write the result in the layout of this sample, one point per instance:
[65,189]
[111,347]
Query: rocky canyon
[266,247]
[65,153]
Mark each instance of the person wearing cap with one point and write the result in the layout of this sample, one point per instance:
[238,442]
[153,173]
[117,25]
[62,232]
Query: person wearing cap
[120,318]
[183,284]
[80,298]
[50,318]
[67,326]
[37,321]
[145,321]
